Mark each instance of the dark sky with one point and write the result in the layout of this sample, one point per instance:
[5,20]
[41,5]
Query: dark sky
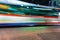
[42,2]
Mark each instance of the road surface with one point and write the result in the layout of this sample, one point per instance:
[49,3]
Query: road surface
[30,33]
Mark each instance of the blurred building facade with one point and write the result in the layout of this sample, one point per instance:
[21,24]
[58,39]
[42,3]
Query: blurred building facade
[55,3]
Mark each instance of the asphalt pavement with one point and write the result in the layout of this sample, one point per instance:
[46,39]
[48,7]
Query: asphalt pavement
[30,33]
